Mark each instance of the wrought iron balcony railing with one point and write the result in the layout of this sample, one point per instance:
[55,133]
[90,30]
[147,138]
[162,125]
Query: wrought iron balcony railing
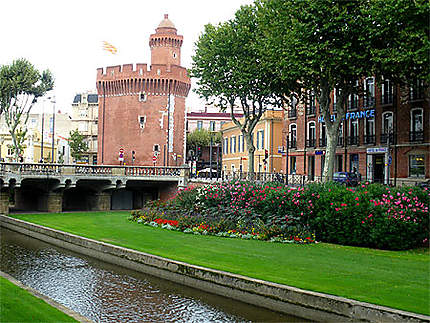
[323,142]
[385,137]
[311,142]
[416,135]
[369,139]
[353,140]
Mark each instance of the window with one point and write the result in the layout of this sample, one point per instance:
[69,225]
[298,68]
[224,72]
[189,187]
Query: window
[83,113]
[417,120]
[416,133]
[353,163]
[233,145]
[339,162]
[241,144]
[369,131]
[82,127]
[323,135]
[353,132]
[225,150]
[416,91]
[353,99]
[293,165]
[142,121]
[142,97]
[293,136]
[334,99]
[369,89]
[199,125]
[387,92]
[416,166]
[311,104]
[260,139]
[156,148]
[212,126]
[311,140]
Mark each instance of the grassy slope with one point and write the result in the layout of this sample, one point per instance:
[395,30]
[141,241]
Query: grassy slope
[18,305]
[395,279]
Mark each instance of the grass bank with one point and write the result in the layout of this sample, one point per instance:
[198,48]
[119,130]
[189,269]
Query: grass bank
[398,279]
[18,305]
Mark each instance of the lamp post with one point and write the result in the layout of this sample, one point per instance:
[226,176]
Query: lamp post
[286,158]
[53,128]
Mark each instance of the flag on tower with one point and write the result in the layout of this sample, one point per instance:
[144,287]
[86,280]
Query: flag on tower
[109,47]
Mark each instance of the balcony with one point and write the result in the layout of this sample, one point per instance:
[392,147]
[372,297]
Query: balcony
[310,110]
[292,113]
[353,140]
[385,137]
[416,136]
[323,142]
[369,139]
[340,141]
[310,143]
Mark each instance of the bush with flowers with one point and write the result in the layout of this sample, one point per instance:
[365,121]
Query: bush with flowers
[369,215]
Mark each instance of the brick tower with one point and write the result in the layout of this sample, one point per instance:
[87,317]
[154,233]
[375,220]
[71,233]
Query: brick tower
[143,111]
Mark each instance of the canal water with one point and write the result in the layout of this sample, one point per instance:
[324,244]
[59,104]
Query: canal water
[108,293]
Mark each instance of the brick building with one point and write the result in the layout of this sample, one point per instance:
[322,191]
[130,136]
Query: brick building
[386,135]
[141,110]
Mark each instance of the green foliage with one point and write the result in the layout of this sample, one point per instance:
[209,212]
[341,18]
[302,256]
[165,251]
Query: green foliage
[369,215]
[18,148]
[202,137]
[229,71]
[77,144]
[20,85]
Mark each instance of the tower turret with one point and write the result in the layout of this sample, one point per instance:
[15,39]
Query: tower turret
[165,44]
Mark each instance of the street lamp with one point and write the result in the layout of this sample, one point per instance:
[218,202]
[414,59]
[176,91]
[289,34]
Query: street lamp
[286,157]
[53,127]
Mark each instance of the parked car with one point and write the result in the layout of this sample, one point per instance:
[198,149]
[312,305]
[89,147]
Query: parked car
[346,178]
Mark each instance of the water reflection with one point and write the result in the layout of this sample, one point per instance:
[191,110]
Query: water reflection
[107,293]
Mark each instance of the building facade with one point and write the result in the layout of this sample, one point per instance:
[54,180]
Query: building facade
[267,139]
[385,135]
[85,119]
[209,118]
[38,147]
[141,111]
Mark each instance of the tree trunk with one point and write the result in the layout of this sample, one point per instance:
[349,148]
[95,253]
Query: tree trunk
[330,152]
[251,151]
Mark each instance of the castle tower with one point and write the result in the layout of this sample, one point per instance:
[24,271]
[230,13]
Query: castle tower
[165,44]
[143,111]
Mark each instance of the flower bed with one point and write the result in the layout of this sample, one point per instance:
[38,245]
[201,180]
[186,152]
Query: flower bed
[369,215]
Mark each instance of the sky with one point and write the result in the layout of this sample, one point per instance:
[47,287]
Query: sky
[66,36]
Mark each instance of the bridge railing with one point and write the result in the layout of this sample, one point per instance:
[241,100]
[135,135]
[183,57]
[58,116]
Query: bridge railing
[95,170]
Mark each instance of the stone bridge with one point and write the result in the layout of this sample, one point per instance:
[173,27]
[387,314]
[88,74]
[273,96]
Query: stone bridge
[57,187]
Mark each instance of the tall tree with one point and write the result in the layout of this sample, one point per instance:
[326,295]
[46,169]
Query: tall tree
[20,86]
[202,137]
[331,45]
[77,144]
[229,72]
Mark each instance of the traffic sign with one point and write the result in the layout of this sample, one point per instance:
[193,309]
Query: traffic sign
[154,158]
[121,150]
[390,160]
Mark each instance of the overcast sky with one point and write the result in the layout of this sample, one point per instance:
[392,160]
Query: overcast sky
[66,36]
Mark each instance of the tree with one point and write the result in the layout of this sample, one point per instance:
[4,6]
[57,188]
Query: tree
[229,72]
[202,137]
[77,144]
[331,45]
[20,86]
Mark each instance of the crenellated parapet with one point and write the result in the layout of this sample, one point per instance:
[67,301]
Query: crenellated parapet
[130,79]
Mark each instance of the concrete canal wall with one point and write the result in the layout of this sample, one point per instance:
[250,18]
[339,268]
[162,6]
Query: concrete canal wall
[293,301]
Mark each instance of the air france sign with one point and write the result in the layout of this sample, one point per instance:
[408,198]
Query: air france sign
[353,115]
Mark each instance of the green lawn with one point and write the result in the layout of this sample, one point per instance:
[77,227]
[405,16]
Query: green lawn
[390,278]
[18,305]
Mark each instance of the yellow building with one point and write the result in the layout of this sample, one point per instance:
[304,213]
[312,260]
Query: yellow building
[267,137]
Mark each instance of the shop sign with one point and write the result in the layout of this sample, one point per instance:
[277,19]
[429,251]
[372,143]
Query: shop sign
[378,150]
[353,115]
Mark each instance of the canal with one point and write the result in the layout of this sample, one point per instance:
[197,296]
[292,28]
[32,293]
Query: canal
[107,293]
